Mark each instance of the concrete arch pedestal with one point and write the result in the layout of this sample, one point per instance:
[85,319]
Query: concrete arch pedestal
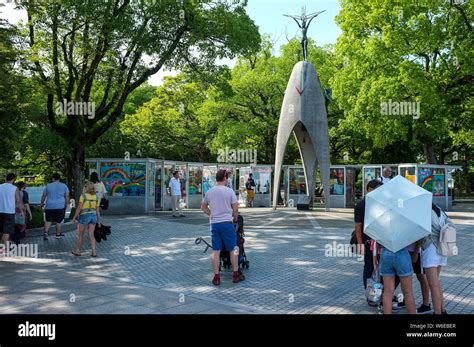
[303,113]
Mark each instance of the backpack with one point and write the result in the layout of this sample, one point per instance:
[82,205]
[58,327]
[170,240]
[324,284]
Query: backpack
[85,210]
[447,237]
[104,203]
[18,219]
[249,185]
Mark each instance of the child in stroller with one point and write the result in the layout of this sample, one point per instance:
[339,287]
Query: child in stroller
[225,255]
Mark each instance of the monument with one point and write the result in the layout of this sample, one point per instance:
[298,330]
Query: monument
[303,113]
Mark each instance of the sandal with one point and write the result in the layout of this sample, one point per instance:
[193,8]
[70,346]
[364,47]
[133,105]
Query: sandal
[76,254]
[94,255]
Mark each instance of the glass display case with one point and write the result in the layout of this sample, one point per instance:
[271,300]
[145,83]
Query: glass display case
[263,183]
[369,173]
[195,192]
[337,191]
[208,177]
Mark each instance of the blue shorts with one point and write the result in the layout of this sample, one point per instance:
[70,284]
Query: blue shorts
[395,264]
[223,234]
[88,218]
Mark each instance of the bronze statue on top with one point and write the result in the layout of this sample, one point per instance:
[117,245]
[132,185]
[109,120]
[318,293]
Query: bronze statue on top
[305,22]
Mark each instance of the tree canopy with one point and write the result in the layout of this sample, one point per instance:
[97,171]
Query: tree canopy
[389,53]
[97,53]
[405,51]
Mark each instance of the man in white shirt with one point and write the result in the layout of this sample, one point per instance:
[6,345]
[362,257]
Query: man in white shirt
[387,175]
[175,187]
[220,203]
[9,199]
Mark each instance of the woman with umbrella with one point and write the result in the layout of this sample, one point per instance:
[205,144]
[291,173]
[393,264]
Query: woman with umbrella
[396,264]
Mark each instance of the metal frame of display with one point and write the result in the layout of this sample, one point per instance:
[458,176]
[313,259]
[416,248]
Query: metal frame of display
[150,163]
[371,166]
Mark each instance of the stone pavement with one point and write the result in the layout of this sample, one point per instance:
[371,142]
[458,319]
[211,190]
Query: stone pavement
[150,264]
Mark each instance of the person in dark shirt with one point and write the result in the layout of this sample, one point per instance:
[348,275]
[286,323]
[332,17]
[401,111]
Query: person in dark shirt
[363,240]
[250,186]
[20,229]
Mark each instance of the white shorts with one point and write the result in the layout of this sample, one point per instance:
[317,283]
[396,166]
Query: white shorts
[431,258]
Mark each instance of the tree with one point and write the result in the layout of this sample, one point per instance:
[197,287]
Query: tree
[12,104]
[405,51]
[100,52]
[170,125]
[114,144]
[192,118]
[25,141]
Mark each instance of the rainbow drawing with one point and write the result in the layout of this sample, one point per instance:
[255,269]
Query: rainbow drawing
[115,171]
[425,179]
[426,183]
[126,179]
[133,187]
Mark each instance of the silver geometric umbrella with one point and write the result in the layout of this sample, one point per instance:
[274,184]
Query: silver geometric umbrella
[398,213]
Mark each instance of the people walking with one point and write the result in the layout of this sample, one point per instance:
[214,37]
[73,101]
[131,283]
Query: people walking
[9,201]
[99,187]
[87,216]
[21,223]
[176,194]
[250,186]
[56,195]
[220,203]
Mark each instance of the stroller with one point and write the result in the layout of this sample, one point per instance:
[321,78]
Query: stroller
[242,258]
[225,254]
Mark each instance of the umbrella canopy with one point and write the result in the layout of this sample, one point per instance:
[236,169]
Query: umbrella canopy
[398,214]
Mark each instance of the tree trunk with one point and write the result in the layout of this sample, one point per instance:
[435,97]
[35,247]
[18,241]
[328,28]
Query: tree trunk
[428,148]
[76,171]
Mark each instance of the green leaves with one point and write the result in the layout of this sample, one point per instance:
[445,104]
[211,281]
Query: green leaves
[404,51]
[169,125]
[100,52]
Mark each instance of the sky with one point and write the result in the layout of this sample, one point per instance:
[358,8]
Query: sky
[267,15]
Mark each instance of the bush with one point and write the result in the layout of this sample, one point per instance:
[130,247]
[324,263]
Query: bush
[37,220]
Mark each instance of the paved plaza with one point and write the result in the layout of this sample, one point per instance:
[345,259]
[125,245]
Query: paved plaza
[151,265]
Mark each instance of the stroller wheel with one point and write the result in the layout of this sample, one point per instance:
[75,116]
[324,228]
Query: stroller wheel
[246,264]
